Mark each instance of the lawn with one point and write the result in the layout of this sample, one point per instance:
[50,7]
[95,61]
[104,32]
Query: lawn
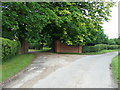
[93,53]
[15,64]
[116,73]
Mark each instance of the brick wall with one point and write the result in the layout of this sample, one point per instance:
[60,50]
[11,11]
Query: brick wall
[60,47]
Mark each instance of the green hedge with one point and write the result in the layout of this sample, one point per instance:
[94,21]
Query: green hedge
[90,49]
[99,47]
[9,48]
[102,46]
[109,47]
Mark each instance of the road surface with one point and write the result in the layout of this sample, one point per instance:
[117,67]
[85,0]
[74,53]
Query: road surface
[91,71]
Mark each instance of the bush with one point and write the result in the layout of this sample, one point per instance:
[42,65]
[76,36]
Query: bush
[111,42]
[99,47]
[90,49]
[109,47]
[118,46]
[102,46]
[9,48]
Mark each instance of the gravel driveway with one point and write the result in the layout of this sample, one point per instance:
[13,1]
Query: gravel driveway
[50,70]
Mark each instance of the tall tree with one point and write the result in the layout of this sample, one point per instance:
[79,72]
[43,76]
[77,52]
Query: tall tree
[78,22]
[25,20]
[74,23]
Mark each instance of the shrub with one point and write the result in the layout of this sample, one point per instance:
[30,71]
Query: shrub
[111,42]
[90,49]
[102,46]
[9,48]
[86,49]
[118,46]
[109,47]
[99,47]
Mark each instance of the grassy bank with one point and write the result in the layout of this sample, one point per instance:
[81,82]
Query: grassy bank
[15,64]
[116,73]
[94,53]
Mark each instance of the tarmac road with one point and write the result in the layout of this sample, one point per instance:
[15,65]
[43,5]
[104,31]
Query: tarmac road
[91,71]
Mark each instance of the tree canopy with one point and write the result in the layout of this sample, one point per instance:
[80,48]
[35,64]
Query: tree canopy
[78,23]
[25,20]
[74,23]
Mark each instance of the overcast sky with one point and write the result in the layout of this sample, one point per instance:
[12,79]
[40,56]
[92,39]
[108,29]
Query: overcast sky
[111,27]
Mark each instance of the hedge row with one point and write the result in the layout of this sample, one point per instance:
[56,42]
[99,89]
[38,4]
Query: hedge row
[99,47]
[9,48]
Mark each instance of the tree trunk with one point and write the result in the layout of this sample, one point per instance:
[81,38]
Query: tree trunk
[54,43]
[54,40]
[41,46]
[24,47]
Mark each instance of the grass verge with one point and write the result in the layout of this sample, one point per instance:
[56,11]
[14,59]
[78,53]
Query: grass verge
[93,53]
[14,65]
[115,69]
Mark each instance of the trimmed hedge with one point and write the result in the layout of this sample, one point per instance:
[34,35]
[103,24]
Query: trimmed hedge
[90,49]
[102,46]
[99,47]
[9,48]
[109,47]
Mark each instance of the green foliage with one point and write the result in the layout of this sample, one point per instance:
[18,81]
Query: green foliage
[111,42]
[99,47]
[102,46]
[117,41]
[9,48]
[74,23]
[90,49]
[35,46]
[78,23]
[101,38]
[109,47]
[25,20]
